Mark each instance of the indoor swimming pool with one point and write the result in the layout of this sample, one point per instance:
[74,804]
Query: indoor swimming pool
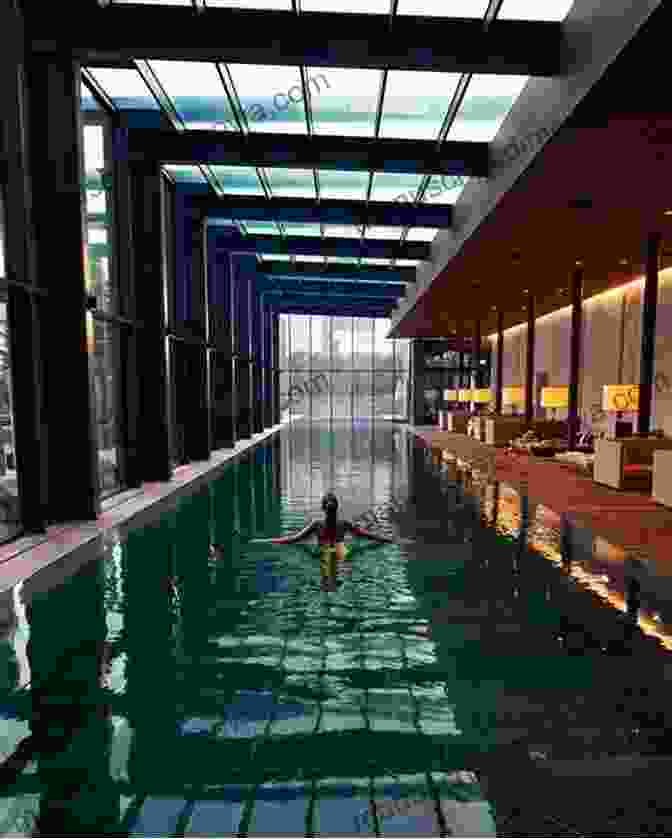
[189,682]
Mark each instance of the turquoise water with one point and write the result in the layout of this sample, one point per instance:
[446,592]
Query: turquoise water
[189,682]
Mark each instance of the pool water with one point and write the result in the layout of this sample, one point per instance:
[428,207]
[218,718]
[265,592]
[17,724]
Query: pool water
[191,682]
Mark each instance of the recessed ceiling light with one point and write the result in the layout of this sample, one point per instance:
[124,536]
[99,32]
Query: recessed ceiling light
[624,262]
[668,212]
[579,263]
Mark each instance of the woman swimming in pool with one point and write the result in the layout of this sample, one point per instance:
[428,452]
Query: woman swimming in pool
[331,532]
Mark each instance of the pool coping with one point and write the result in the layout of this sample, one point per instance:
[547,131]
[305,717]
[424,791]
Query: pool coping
[27,555]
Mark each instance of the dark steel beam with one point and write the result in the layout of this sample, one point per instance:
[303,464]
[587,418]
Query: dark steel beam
[573,415]
[338,273]
[119,33]
[649,306]
[500,361]
[387,292]
[319,152]
[377,248]
[393,213]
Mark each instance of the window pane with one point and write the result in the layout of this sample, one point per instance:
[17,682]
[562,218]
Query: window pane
[320,358]
[124,87]
[401,394]
[319,385]
[383,394]
[342,343]
[383,348]
[299,341]
[238,180]
[383,232]
[551,10]
[197,93]
[342,395]
[102,345]
[422,234]
[185,174]
[302,259]
[281,5]
[291,183]
[9,509]
[346,185]
[407,113]
[89,102]
[261,228]
[444,189]
[363,343]
[376,7]
[376,260]
[485,105]
[344,101]
[284,341]
[363,399]
[344,231]
[301,229]
[298,397]
[401,354]
[98,201]
[271,97]
[407,263]
[392,186]
[284,394]
[444,8]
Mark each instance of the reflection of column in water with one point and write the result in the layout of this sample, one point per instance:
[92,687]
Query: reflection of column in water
[71,724]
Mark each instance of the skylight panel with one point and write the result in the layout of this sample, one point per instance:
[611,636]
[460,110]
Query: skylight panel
[238,180]
[549,10]
[281,5]
[261,228]
[444,189]
[407,263]
[124,87]
[344,101]
[291,183]
[185,174]
[343,185]
[390,186]
[422,234]
[197,93]
[343,260]
[306,257]
[302,229]
[343,231]
[485,105]
[153,2]
[276,257]
[376,260]
[383,232]
[271,97]
[415,103]
[369,7]
[87,99]
[444,8]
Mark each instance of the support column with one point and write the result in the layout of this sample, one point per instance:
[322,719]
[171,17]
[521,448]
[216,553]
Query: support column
[267,338]
[500,362]
[417,390]
[573,417]
[221,338]
[244,268]
[58,216]
[194,387]
[257,368]
[647,357]
[148,254]
[275,328]
[529,371]
[22,310]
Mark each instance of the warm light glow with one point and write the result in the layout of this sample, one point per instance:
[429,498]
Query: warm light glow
[620,398]
[450,395]
[513,395]
[555,397]
[483,394]
[90,333]
[464,395]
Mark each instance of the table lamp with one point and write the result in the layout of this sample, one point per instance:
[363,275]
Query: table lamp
[513,396]
[554,398]
[617,399]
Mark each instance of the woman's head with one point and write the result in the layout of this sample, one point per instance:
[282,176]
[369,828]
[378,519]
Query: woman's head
[330,503]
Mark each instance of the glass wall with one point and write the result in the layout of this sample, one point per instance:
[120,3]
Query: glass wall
[9,493]
[102,328]
[341,368]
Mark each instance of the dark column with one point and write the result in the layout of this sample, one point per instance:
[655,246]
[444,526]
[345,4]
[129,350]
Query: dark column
[220,337]
[417,389]
[257,364]
[243,273]
[573,418]
[56,163]
[275,328]
[529,372]
[194,388]
[24,325]
[650,303]
[128,387]
[476,355]
[148,252]
[267,340]
[500,361]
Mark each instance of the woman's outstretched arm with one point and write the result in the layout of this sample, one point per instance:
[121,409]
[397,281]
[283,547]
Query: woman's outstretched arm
[358,531]
[292,537]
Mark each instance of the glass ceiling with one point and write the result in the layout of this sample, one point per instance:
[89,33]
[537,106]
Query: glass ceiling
[197,94]
[344,101]
[270,97]
[486,103]
[551,10]
[413,115]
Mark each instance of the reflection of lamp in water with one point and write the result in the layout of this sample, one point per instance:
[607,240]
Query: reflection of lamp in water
[554,398]
[620,398]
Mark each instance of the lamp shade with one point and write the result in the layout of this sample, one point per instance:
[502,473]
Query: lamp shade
[482,394]
[555,397]
[513,395]
[620,398]
[450,395]
[464,395]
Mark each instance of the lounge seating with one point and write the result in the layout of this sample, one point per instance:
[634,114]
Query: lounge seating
[500,430]
[457,422]
[627,463]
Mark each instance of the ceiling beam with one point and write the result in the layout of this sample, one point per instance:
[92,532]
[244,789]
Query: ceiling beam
[319,152]
[377,248]
[350,290]
[393,213]
[339,273]
[118,33]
